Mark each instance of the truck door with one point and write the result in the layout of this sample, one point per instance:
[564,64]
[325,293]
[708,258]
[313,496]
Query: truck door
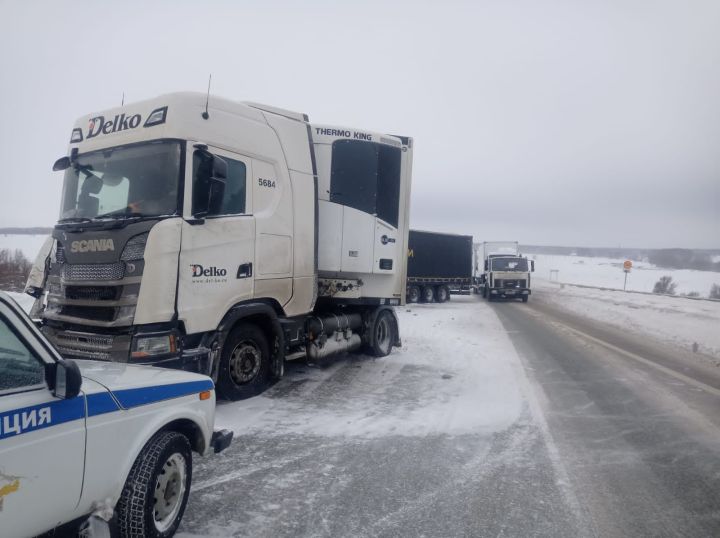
[42,438]
[217,253]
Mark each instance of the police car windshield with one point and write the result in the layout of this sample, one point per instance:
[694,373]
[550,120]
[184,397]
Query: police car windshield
[509,264]
[122,182]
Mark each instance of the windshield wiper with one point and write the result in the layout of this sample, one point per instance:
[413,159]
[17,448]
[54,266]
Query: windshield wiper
[74,219]
[120,213]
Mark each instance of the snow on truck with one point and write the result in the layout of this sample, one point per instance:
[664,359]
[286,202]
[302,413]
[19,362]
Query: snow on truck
[83,437]
[438,265]
[224,238]
[506,272]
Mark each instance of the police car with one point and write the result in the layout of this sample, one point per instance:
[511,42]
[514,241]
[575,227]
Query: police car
[76,436]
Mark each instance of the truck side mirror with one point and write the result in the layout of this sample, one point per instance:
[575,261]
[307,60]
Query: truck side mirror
[63,163]
[532,266]
[215,170]
[68,380]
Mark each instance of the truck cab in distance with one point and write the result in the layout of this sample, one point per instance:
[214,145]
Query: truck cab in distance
[225,237]
[506,273]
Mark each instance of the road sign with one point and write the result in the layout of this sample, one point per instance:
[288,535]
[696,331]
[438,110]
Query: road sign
[627,265]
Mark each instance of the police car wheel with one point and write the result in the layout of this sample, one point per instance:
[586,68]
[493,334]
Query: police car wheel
[244,363]
[156,491]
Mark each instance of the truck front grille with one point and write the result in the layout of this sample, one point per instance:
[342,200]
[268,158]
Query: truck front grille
[510,283]
[93,293]
[99,313]
[79,345]
[93,271]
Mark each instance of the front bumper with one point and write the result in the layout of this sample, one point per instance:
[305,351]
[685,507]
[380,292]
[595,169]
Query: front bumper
[191,360]
[221,439]
[509,292]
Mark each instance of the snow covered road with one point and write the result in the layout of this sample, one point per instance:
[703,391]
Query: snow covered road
[493,420]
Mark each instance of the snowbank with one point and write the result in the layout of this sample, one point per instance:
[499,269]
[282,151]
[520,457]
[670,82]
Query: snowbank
[675,320]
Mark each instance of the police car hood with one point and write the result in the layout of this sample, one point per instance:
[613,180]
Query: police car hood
[135,384]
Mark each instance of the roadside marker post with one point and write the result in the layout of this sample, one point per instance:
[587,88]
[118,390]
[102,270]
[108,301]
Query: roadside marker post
[627,266]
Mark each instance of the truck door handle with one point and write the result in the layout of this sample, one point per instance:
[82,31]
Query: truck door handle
[245,270]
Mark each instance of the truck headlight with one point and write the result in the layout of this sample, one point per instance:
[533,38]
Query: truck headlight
[144,346]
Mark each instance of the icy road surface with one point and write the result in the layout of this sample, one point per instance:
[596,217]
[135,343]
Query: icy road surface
[459,434]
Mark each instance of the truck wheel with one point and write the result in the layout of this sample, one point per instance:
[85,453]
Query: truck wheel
[413,294]
[525,298]
[244,363]
[384,334]
[442,294]
[156,491]
[428,294]
[484,292]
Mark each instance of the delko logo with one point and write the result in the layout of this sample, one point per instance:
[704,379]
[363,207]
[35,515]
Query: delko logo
[120,122]
[92,245]
[208,275]
[98,125]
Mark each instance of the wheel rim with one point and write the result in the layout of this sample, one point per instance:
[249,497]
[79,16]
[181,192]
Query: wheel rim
[169,492]
[382,334]
[414,294]
[245,362]
[442,294]
[428,295]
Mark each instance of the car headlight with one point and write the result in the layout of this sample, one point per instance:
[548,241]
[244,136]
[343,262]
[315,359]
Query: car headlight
[150,345]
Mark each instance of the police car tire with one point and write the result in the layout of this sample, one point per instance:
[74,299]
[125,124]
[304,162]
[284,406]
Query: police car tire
[135,508]
[228,389]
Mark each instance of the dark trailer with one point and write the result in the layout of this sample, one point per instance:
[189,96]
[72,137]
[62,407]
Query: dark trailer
[438,265]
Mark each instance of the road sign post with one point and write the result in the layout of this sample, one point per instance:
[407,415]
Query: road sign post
[627,266]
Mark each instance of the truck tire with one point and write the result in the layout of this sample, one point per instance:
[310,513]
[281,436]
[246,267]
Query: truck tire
[156,491]
[428,294]
[525,298]
[383,334]
[442,294]
[244,363]
[413,294]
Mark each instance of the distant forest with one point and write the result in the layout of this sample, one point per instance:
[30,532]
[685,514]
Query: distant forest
[666,258]
[26,231]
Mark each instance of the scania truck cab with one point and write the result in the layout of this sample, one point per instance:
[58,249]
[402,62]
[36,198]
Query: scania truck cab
[223,238]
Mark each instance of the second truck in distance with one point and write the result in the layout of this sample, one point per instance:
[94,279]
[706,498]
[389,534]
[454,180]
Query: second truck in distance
[438,264]
[506,272]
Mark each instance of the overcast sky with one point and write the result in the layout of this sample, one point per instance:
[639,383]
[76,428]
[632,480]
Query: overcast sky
[590,123]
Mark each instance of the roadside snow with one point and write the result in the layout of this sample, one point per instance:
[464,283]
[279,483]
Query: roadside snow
[675,320]
[608,273]
[456,372]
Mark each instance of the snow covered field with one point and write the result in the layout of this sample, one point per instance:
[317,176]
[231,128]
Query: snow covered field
[675,320]
[608,273]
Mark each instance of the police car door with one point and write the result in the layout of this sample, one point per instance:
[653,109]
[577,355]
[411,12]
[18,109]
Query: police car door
[217,258]
[42,438]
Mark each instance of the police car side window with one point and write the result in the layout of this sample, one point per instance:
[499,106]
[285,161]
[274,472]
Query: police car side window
[19,366]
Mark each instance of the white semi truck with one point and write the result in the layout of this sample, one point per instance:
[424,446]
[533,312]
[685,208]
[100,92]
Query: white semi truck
[506,272]
[224,238]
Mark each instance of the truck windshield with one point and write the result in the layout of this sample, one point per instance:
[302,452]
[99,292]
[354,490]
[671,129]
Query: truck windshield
[137,180]
[510,264]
